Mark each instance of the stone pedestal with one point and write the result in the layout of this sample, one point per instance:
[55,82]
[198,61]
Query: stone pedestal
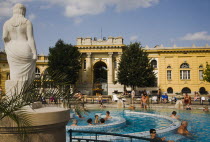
[48,124]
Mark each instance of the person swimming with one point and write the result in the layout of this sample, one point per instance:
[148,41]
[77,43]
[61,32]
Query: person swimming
[96,119]
[183,128]
[107,115]
[89,121]
[74,122]
[102,120]
[173,115]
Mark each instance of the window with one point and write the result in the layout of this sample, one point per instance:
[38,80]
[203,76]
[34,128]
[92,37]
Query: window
[168,67]
[37,73]
[154,63]
[115,64]
[202,90]
[168,74]
[8,76]
[45,57]
[170,90]
[184,74]
[84,65]
[201,74]
[201,66]
[186,90]
[185,65]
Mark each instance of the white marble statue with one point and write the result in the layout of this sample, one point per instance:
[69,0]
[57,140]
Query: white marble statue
[20,47]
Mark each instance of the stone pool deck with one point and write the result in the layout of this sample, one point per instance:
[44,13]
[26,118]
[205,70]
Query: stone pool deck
[152,106]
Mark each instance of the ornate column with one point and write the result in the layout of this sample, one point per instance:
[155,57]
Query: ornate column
[88,68]
[118,61]
[110,68]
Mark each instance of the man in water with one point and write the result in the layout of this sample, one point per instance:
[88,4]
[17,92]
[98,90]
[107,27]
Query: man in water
[107,115]
[173,115]
[183,128]
[154,137]
[74,123]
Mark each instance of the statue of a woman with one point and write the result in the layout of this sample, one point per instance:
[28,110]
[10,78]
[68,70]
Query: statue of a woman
[20,46]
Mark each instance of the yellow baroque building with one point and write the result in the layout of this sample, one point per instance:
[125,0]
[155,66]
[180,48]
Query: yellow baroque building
[178,69]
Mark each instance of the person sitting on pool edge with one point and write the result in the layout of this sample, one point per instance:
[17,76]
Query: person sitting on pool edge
[74,122]
[107,115]
[173,115]
[89,121]
[183,128]
[154,137]
[102,120]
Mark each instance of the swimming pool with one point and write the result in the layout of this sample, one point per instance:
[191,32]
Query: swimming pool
[199,124]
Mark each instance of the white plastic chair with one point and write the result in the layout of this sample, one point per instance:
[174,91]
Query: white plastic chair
[115,98]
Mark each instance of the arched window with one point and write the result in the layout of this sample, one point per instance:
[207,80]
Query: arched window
[185,74]
[84,64]
[154,63]
[186,90]
[37,73]
[170,90]
[169,67]
[185,65]
[202,90]
[201,66]
[8,76]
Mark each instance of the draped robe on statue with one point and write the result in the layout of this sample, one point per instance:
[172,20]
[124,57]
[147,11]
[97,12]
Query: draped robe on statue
[20,49]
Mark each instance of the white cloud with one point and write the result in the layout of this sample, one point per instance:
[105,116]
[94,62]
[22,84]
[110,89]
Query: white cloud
[31,17]
[133,38]
[74,8]
[196,36]
[6,6]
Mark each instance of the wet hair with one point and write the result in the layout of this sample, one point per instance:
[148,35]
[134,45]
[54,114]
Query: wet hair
[89,120]
[102,120]
[183,122]
[75,121]
[174,112]
[96,116]
[152,130]
[107,112]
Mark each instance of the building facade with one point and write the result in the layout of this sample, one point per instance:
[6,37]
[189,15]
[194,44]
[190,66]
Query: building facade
[178,69]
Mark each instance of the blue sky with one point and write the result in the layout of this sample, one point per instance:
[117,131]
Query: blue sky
[151,22]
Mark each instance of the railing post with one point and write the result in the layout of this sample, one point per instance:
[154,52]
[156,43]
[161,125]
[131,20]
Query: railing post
[96,136]
[131,139]
[70,135]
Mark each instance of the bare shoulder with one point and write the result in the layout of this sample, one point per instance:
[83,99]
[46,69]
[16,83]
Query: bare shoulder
[28,23]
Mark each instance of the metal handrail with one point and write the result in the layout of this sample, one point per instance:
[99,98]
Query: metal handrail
[103,133]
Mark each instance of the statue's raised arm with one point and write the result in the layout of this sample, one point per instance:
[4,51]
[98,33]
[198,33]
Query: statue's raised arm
[20,48]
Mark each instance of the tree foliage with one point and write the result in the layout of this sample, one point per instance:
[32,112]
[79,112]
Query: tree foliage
[64,58]
[206,73]
[135,69]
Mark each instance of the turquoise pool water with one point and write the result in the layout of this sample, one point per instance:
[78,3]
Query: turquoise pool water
[199,123]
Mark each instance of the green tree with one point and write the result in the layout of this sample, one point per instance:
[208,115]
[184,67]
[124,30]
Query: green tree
[135,69]
[206,73]
[64,59]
